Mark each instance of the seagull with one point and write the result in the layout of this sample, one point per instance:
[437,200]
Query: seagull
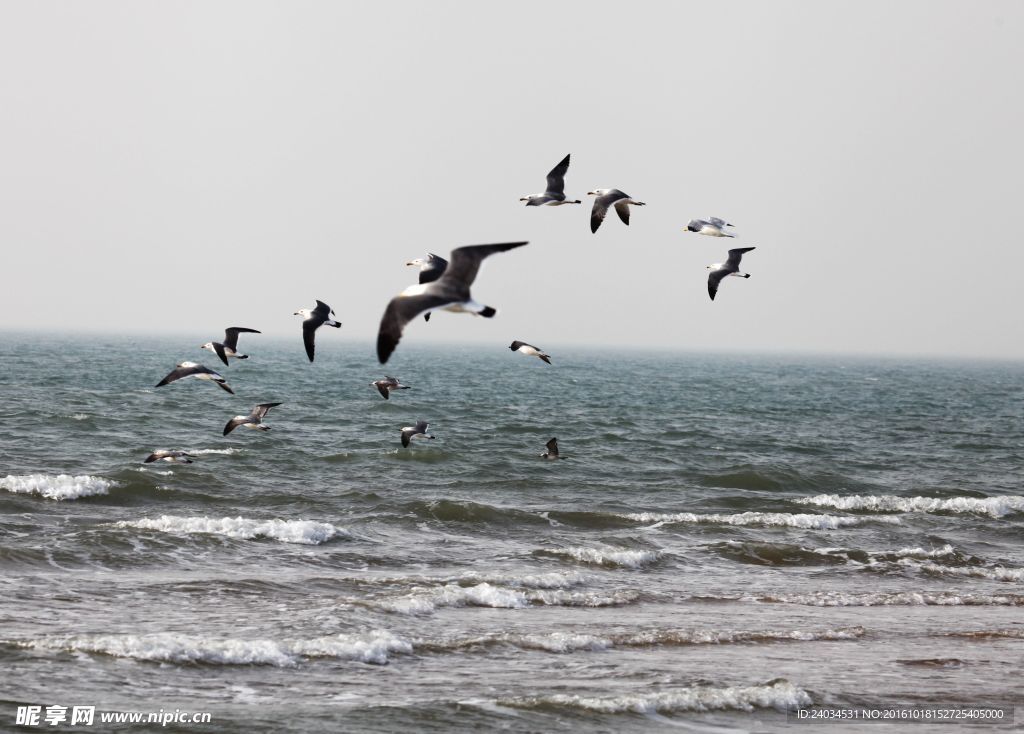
[431,268]
[312,320]
[229,347]
[731,267]
[449,292]
[606,198]
[253,420]
[194,369]
[552,452]
[554,194]
[388,384]
[712,227]
[172,457]
[411,432]
[529,350]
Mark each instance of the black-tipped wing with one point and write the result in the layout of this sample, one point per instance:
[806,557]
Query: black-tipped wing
[622,209]
[735,255]
[382,388]
[261,410]
[231,335]
[465,263]
[407,434]
[714,278]
[236,422]
[600,208]
[400,311]
[322,310]
[178,372]
[556,178]
[309,327]
[224,386]
[552,447]
[219,349]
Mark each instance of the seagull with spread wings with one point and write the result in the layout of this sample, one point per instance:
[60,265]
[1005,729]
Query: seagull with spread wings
[730,267]
[313,320]
[254,420]
[606,198]
[228,349]
[194,369]
[554,194]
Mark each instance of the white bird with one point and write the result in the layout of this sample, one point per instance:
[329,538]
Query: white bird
[313,320]
[417,431]
[194,369]
[229,347]
[552,452]
[530,350]
[606,198]
[554,194]
[449,292]
[385,386]
[431,268]
[731,267]
[712,227]
[254,420]
[171,457]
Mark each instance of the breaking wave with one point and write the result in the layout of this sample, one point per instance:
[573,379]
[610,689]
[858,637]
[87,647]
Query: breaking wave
[608,557]
[769,519]
[59,487]
[897,598]
[991,506]
[306,532]
[428,600]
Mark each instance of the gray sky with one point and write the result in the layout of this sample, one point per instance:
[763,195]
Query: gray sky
[192,165]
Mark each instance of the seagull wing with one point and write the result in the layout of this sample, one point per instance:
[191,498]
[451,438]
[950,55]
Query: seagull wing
[717,222]
[735,255]
[552,446]
[231,335]
[178,372]
[309,327]
[322,309]
[261,410]
[235,422]
[421,426]
[601,204]
[407,436]
[714,278]
[219,349]
[224,386]
[382,388]
[556,178]
[465,264]
[400,311]
[622,209]
[434,270]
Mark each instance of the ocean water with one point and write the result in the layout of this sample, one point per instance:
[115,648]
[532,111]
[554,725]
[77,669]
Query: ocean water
[727,539]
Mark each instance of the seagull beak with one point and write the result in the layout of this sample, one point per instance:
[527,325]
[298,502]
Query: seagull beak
[591,193]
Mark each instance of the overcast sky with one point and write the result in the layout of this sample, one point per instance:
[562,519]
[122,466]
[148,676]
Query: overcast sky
[182,167]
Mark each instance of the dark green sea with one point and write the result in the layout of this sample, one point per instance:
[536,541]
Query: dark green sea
[728,538]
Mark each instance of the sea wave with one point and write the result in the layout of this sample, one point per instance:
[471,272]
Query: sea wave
[428,600]
[994,573]
[370,647]
[608,557]
[991,506]
[897,598]
[57,487]
[779,694]
[226,452]
[768,519]
[305,532]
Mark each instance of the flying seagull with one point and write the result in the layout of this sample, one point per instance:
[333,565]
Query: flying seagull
[431,268]
[417,431]
[554,194]
[731,267]
[388,384]
[311,321]
[194,369]
[606,198]
[712,227]
[530,350]
[229,347]
[253,420]
[172,457]
[552,452]
[449,292]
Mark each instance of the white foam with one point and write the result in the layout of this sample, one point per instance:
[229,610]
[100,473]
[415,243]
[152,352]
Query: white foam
[79,416]
[428,600]
[59,487]
[551,580]
[227,451]
[991,506]
[607,556]
[776,519]
[371,647]
[306,532]
[995,573]
[780,695]
[143,469]
[900,598]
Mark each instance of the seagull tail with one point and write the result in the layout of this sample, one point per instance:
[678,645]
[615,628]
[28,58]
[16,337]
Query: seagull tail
[488,312]
[335,324]
[426,316]
[241,356]
[545,357]
[746,275]
[577,201]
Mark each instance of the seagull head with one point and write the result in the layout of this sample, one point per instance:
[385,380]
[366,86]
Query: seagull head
[208,345]
[418,262]
[715,266]
[304,312]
